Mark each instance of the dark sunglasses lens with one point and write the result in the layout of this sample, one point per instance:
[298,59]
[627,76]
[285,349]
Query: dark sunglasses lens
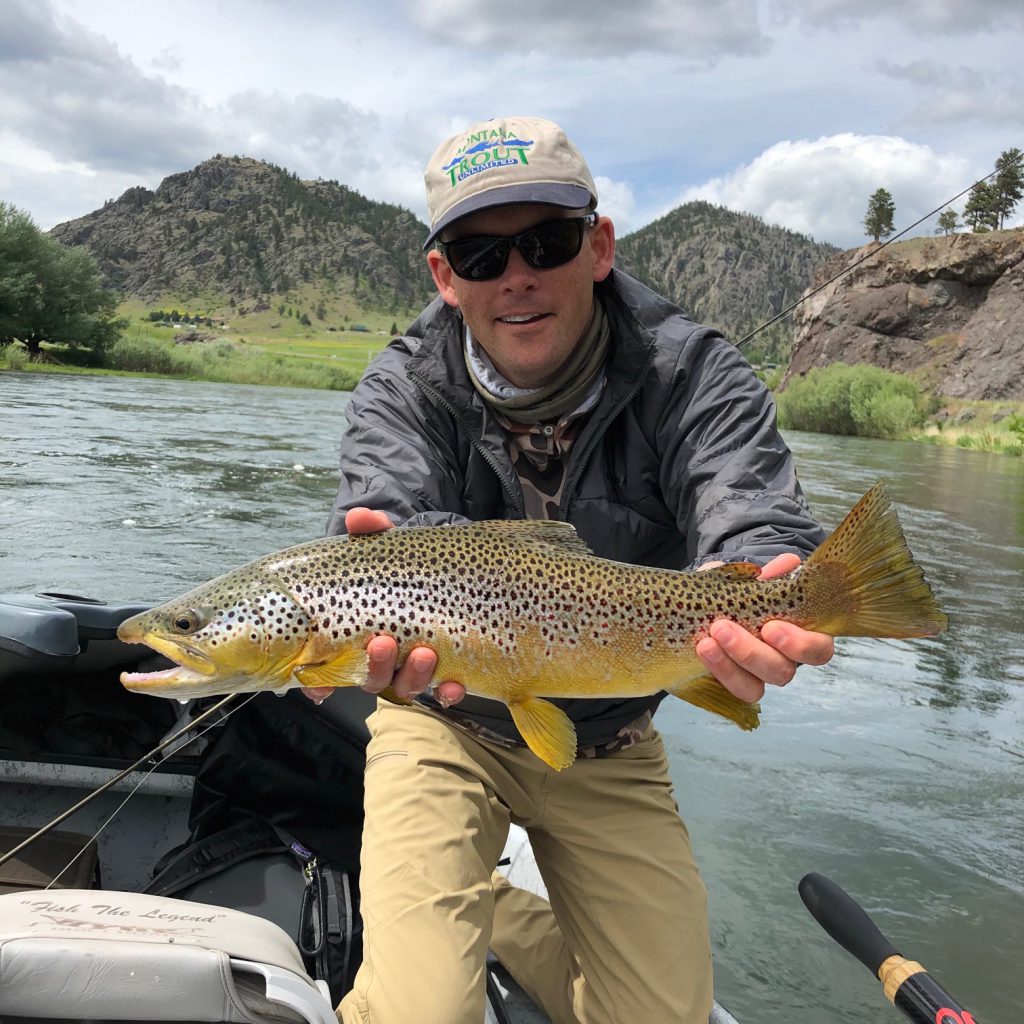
[478,259]
[553,244]
[545,247]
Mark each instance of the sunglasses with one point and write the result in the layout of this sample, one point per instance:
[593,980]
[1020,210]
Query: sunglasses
[544,247]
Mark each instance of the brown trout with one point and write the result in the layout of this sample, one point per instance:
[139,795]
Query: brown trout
[519,611]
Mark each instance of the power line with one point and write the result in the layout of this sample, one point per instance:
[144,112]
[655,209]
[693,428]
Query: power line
[846,270]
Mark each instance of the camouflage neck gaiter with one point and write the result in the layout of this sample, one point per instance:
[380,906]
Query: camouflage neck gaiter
[566,393]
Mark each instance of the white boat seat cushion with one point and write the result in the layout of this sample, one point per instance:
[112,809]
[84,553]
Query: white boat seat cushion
[89,953]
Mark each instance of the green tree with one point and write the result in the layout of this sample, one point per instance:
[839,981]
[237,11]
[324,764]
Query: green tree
[49,292]
[980,211]
[878,221]
[1008,188]
[948,222]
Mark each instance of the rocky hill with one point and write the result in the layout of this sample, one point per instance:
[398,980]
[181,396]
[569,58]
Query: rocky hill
[239,227]
[948,310]
[730,270]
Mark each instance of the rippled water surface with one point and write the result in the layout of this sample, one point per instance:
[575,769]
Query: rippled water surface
[897,770]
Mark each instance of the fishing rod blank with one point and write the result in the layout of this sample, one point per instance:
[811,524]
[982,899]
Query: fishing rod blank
[907,985]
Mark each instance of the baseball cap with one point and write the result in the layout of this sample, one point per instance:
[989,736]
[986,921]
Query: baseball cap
[501,161]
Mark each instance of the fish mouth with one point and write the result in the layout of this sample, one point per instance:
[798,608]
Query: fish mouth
[193,668]
[171,682]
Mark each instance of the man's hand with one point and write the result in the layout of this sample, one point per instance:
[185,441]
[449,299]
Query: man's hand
[743,664]
[382,651]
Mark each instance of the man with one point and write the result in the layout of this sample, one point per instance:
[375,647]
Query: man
[543,383]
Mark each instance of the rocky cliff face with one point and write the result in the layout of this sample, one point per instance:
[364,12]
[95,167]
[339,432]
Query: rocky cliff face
[949,311]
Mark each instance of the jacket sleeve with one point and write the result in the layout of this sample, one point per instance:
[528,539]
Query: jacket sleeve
[398,452]
[726,472]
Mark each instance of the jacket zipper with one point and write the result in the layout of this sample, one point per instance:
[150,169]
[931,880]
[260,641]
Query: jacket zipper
[506,486]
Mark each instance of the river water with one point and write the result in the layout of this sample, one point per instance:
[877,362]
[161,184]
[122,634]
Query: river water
[897,769]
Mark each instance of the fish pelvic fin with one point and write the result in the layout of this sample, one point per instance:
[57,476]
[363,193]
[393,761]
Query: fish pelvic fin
[708,694]
[547,730]
[863,580]
[391,697]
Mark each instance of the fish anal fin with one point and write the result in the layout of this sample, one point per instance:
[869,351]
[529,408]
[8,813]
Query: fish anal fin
[345,669]
[736,570]
[707,693]
[547,730]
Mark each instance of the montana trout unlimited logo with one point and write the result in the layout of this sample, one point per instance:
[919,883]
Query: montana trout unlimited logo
[483,151]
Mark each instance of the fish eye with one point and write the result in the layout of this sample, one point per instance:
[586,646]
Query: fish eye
[187,622]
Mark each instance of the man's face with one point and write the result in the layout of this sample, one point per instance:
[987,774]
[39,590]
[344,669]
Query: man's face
[528,321]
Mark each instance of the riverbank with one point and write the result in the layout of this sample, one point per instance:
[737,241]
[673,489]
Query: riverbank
[335,361]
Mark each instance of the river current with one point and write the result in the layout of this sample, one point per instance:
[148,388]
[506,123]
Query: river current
[897,769]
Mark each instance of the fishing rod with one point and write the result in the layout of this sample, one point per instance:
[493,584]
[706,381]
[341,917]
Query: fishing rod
[88,798]
[907,985]
[853,266]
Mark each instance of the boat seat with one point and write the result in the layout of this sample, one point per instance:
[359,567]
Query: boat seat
[93,954]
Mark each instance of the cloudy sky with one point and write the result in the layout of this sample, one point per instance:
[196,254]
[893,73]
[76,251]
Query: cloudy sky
[796,110]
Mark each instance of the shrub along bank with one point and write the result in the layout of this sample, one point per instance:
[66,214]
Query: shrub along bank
[866,401]
[860,401]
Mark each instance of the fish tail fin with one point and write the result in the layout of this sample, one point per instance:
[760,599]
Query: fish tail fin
[709,694]
[863,581]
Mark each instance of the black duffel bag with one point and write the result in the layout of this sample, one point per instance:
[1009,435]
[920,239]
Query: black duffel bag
[259,869]
[275,826]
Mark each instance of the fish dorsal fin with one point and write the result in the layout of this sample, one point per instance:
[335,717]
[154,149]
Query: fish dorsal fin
[544,532]
[736,570]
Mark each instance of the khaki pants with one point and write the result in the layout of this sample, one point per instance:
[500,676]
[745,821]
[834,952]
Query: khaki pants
[625,937]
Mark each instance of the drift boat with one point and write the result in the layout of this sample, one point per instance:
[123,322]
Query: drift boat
[164,877]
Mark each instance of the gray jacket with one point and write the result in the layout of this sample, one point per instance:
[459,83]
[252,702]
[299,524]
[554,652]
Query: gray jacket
[680,463]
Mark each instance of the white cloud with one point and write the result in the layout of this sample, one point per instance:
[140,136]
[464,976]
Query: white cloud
[616,200]
[693,30]
[928,16]
[99,95]
[821,187]
[952,94]
[70,92]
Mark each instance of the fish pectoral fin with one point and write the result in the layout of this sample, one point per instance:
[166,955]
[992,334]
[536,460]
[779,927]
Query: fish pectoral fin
[347,669]
[547,730]
[707,693]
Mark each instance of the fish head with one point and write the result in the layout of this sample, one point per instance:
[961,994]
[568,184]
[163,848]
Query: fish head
[234,634]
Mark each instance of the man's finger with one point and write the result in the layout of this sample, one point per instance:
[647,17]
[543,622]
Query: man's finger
[799,645]
[752,655]
[381,655]
[449,692]
[736,680]
[780,565]
[415,675]
[366,520]
[317,694]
